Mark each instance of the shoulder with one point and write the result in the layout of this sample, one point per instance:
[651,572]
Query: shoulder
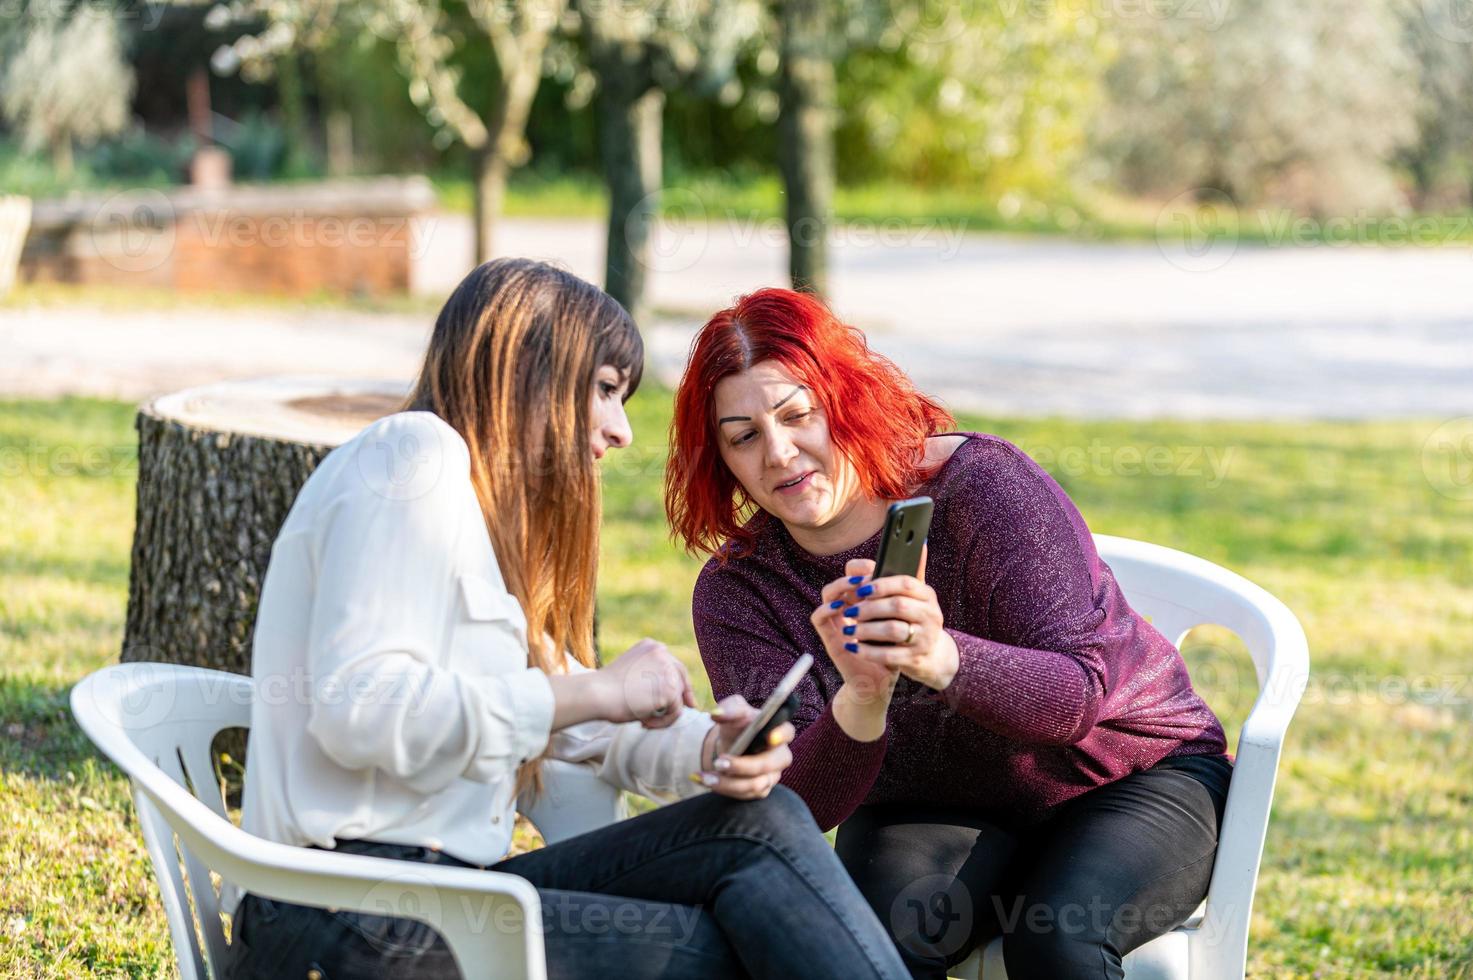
[989,475]
[412,464]
[403,457]
[981,457]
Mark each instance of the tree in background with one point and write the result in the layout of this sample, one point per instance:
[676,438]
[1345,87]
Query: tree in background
[64,80]
[806,136]
[435,43]
[1440,162]
[635,52]
[1303,104]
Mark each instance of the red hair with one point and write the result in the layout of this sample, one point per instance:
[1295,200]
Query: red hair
[876,417]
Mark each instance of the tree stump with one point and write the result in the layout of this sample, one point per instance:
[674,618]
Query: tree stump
[218,469]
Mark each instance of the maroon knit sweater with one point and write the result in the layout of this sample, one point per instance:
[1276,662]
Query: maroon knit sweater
[1062,687]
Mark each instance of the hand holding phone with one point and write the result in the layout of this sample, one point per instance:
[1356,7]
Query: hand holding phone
[778,708]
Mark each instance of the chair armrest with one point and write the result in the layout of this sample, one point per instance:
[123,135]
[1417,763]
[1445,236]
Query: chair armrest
[487,918]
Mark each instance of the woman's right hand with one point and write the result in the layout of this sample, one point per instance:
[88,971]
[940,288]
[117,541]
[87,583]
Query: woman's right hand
[645,683]
[862,702]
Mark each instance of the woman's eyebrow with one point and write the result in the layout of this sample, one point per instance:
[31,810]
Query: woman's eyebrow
[748,418]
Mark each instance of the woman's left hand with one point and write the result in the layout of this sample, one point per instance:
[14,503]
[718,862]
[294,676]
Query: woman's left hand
[903,610]
[743,777]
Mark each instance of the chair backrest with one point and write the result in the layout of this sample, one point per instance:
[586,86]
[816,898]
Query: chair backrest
[164,717]
[1178,592]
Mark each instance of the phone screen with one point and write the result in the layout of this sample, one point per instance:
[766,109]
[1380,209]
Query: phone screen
[786,686]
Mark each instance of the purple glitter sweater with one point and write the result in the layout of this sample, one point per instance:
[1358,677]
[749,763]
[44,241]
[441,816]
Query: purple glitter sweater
[1062,687]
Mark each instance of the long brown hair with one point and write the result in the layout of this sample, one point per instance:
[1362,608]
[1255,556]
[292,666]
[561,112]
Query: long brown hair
[510,366]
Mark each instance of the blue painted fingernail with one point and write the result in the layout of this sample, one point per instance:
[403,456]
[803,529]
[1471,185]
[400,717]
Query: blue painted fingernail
[856,580]
[852,647]
[852,611]
[865,590]
[849,630]
[836,603]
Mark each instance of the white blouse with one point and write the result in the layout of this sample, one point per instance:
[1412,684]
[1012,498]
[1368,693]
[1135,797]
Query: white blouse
[394,701]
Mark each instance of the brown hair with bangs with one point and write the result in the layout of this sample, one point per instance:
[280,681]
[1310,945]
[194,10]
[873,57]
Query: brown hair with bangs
[510,367]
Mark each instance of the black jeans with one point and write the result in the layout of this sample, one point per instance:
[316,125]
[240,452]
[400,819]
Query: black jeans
[709,887]
[1110,870]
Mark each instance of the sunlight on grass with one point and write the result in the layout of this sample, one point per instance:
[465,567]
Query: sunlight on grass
[1369,860]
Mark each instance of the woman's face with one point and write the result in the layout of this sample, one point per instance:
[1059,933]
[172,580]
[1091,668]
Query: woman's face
[608,426]
[775,440]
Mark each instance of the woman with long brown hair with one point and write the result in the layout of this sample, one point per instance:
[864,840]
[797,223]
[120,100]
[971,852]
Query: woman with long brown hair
[425,638]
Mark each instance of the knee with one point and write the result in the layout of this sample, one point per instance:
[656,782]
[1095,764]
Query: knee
[780,817]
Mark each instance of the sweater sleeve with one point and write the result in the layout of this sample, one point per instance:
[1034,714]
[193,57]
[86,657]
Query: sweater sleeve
[745,652]
[1041,674]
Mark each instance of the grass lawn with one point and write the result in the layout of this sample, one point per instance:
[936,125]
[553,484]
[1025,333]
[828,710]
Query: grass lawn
[883,207]
[1369,863]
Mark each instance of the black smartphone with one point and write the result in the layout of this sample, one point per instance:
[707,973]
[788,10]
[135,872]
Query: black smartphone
[778,708]
[906,525]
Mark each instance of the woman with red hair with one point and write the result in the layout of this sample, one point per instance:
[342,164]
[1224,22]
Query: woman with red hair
[1006,747]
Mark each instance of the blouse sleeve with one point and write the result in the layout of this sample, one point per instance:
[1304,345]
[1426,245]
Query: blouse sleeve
[653,762]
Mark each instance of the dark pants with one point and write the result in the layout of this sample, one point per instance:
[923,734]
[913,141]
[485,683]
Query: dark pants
[1110,870]
[708,887]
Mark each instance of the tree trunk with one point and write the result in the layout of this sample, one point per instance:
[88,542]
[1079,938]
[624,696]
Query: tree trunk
[630,109]
[490,198]
[61,155]
[806,140]
[218,469]
[506,144]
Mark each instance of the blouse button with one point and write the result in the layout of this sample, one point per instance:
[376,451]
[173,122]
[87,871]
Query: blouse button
[496,820]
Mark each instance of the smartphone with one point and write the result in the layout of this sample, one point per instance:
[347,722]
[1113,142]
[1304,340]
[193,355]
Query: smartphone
[775,710]
[906,525]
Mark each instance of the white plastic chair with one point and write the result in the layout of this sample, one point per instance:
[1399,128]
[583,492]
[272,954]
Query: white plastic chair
[157,721]
[1178,592]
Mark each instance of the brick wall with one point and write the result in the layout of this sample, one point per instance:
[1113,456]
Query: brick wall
[342,237]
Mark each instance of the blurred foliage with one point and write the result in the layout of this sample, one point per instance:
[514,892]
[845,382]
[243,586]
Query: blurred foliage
[1298,103]
[63,79]
[1028,106]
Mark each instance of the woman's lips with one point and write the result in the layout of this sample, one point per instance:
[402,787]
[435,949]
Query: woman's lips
[798,487]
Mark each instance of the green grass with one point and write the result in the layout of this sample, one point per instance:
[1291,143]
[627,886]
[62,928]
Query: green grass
[890,205]
[1369,860]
